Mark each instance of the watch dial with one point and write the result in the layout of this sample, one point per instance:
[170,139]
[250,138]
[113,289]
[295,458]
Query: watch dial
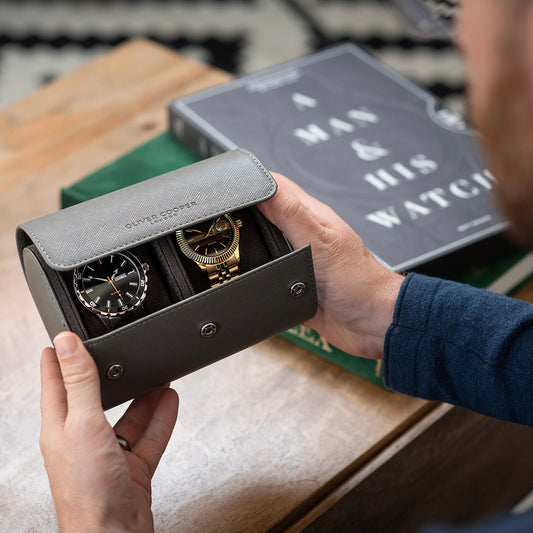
[112,285]
[211,238]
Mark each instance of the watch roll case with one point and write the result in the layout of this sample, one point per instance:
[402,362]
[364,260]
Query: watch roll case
[183,324]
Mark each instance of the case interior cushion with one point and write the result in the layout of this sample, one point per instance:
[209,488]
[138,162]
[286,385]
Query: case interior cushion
[172,277]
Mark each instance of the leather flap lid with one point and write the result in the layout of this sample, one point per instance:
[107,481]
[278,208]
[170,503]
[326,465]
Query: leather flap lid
[142,212]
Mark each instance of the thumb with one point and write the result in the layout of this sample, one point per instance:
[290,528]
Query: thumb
[302,217]
[287,211]
[80,375]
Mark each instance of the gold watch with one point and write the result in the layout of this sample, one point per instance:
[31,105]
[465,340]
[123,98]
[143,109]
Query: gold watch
[214,246]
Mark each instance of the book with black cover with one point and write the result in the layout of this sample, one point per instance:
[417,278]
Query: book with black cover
[402,170]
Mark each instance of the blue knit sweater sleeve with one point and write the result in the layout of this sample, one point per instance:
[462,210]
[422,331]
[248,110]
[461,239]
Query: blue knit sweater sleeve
[466,346]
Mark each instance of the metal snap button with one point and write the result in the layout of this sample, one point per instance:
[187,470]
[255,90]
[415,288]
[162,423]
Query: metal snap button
[208,330]
[297,289]
[115,371]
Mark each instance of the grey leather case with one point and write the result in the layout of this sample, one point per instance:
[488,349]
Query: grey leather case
[167,343]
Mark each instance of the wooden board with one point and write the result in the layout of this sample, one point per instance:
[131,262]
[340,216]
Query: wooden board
[451,467]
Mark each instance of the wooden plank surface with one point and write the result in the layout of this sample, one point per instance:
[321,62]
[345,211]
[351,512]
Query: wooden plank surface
[451,467]
[262,435]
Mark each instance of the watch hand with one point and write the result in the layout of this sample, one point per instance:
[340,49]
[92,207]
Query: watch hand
[211,227]
[192,240]
[213,230]
[202,237]
[117,291]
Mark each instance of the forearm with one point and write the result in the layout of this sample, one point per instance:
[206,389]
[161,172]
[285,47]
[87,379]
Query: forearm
[465,346]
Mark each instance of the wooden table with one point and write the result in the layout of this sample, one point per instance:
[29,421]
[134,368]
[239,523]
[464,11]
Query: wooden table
[272,438]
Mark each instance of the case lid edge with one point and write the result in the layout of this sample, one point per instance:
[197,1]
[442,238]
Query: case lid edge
[145,211]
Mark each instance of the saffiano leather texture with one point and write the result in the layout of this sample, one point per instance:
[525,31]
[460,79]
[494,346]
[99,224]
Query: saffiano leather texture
[142,212]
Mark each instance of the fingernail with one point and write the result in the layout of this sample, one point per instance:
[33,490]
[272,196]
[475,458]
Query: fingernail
[65,344]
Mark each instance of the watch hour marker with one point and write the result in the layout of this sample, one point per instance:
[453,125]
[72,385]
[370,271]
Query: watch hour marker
[89,267]
[123,263]
[120,302]
[97,299]
[133,283]
[108,304]
[129,295]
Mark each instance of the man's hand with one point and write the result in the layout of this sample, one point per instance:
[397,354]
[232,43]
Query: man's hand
[356,294]
[96,484]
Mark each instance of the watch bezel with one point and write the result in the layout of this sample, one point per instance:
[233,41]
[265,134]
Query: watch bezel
[101,312]
[210,259]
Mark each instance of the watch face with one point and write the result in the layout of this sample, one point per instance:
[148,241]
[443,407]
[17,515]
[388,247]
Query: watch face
[211,242]
[111,286]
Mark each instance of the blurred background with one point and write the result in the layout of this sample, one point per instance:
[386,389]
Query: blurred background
[42,39]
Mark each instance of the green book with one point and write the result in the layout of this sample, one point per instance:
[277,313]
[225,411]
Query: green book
[164,153]
[157,156]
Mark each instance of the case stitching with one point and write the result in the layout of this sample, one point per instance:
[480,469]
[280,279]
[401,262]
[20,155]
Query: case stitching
[261,167]
[202,297]
[161,233]
[313,280]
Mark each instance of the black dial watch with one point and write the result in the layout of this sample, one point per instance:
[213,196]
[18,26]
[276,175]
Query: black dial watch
[214,247]
[112,287]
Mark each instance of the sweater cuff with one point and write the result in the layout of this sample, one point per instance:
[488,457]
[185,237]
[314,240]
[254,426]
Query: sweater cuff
[408,333]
